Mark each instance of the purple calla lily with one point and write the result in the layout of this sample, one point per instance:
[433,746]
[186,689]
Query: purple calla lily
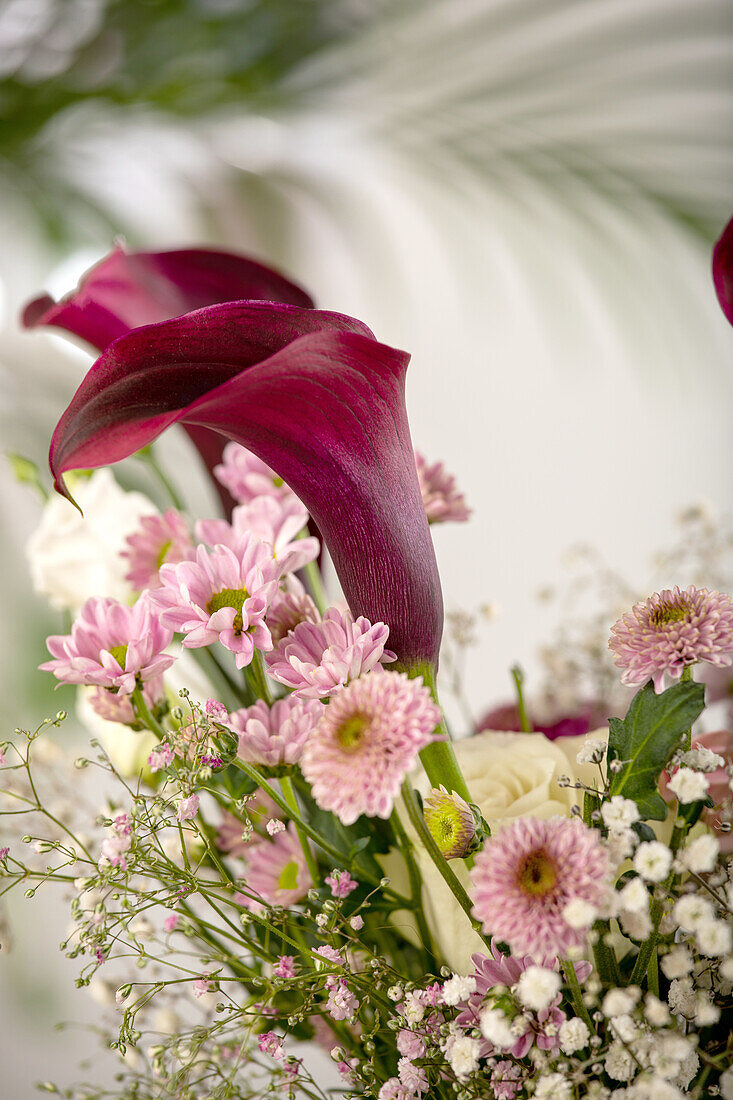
[316,397]
[128,289]
[723,270]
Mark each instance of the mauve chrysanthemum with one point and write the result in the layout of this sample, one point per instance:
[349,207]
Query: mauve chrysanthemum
[316,659]
[246,476]
[277,521]
[671,630]
[159,539]
[111,645]
[222,595]
[277,734]
[277,871]
[290,606]
[443,501]
[368,739]
[525,876]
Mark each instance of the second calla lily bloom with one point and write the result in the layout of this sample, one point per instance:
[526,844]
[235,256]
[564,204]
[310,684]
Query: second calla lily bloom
[315,396]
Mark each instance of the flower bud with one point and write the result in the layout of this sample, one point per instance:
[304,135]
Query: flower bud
[451,822]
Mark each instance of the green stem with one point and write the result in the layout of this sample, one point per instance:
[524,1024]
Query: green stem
[605,956]
[242,694]
[525,724]
[446,871]
[438,758]
[315,583]
[143,713]
[257,679]
[286,785]
[415,883]
[148,458]
[648,948]
[576,995]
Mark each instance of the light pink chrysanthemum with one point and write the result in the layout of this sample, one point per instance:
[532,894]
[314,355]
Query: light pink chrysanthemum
[443,501]
[671,630]
[118,707]
[247,477]
[316,659]
[159,539]
[526,875]
[275,520]
[276,734]
[368,739]
[277,871]
[290,606]
[222,596]
[111,645]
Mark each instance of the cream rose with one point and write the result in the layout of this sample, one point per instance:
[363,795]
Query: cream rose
[509,775]
[74,556]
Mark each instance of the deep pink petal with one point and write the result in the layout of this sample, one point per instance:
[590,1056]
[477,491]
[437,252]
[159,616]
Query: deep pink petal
[723,270]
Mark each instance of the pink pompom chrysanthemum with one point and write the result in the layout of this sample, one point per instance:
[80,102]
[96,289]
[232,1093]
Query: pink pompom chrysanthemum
[246,476]
[277,734]
[276,871]
[316,659]
[525,876]
[671,630]
[111,645]
[158,540]
[222,595]
[290,606]
[443,501]
[368,739]
[275,520]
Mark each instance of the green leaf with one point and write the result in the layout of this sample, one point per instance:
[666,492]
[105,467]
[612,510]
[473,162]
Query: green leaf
[646,738]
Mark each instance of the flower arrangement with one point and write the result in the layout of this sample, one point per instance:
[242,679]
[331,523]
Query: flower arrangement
[299,856]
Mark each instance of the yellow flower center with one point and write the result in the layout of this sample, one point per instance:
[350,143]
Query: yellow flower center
[288,879]
[538,874]
[351,732]
[163,551]
[229,597]
[119,652]
[670,613]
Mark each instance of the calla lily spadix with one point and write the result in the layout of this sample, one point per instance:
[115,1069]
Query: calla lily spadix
[128,289]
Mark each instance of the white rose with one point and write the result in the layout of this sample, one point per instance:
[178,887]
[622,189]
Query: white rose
[509,775]
[74,556]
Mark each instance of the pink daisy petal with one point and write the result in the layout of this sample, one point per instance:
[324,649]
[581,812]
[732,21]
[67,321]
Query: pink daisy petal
[441,497]
[160,539]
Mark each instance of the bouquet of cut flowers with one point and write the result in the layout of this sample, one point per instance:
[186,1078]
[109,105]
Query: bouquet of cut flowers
[293,854]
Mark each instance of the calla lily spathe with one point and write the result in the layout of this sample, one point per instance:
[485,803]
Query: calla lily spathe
[311,393]
[723,270]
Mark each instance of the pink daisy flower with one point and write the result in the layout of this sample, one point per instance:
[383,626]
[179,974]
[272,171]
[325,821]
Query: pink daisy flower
[368,739]
[277,871]
[159,539]
[671,630]
[441,497]
[247,477]
[526,875]
[316,659]
[275,520]
[111,645]
[277,734]
[221,596]
[291,606]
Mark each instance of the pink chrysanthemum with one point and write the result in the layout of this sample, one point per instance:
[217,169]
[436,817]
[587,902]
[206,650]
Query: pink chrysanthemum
[159,539]
[366,742]
[276,734]
[118,707]
[111,645]
[443,501]
[316,659]
[277,871]
[222,596]
[671,630]
[291,606]
[247,477]
[526,875]
[275,520]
